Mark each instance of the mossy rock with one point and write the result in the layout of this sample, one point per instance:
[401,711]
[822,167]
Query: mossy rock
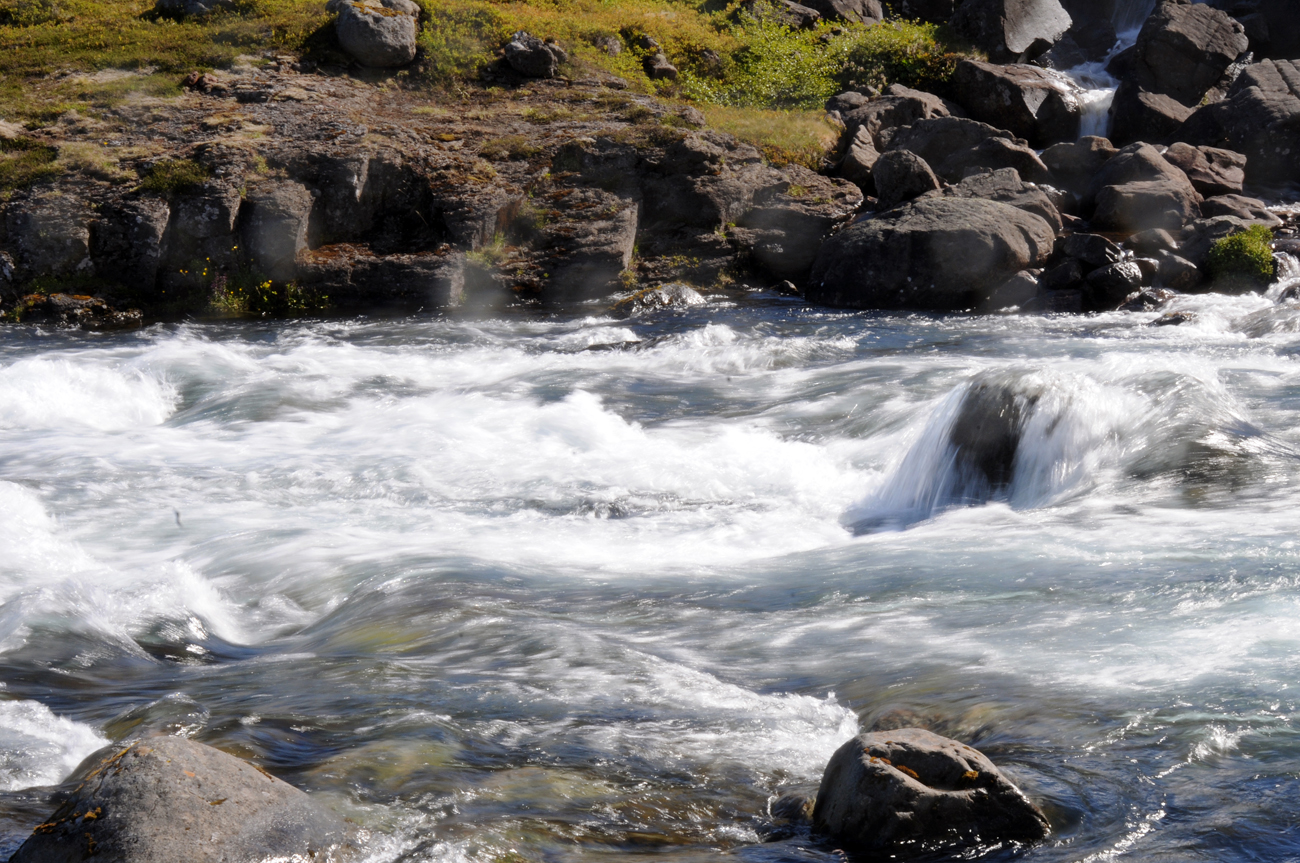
[1243,261]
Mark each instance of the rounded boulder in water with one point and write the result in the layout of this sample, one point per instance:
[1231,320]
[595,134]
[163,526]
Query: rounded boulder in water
[891,790]
[168,799]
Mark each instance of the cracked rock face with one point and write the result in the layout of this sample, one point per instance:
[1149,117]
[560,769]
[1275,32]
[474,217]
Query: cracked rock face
[911,787]
[167,799]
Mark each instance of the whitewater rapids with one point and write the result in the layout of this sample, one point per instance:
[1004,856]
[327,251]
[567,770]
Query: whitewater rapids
[578,587]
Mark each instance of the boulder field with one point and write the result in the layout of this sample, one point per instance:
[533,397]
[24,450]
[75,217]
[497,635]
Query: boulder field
[350,195]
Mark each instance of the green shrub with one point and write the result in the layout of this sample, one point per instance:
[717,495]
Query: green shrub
[29,13]
[898,52]
[1244,259]
[777,67]
[458,39]
[173,175]
[24,162]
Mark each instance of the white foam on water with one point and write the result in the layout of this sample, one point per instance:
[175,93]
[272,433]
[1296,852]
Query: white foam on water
[38,748]
[42,393]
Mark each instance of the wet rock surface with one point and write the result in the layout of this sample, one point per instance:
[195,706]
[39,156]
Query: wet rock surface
[910,788]
[166,799]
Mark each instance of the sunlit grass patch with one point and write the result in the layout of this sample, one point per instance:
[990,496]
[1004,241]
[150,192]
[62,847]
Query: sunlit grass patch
[24,162]
[785,137]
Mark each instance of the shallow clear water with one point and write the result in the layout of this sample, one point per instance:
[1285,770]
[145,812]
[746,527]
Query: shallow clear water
[584,588]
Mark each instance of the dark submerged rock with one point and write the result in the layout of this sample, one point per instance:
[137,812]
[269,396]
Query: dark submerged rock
[167,799]
[909,787]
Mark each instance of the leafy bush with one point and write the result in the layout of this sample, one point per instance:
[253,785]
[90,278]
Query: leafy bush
[29,13]
[1244,260]
[898,52]
[777,67]
[458,38]
[24,162]
[173,175]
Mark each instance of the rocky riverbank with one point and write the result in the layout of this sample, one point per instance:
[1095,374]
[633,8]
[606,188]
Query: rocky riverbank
[281,186]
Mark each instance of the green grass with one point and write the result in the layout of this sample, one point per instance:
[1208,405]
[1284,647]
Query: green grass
[1244,259]
[173,175]
[727,58]
[24,162]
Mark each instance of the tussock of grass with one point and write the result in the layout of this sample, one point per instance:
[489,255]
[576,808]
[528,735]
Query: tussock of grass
[784,137]
[91,160]
[24,162]
[174,175]
[515,147]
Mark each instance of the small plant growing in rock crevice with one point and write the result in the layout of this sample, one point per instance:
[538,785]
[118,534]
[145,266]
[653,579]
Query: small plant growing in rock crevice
[1243,261]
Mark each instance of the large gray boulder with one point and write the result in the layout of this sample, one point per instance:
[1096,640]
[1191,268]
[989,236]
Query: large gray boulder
[901,175]
[377,33]
[940,254]
[860,157]
[1030,102]
[1260,118]
[1012,30]
[905,787]
[1005,186]
[898,107]
[1273,26]
[167,799]
[1138,190]
[791,218]
[531,56]
[1213,171]
[49,235]
[1074,164]
[1182,51]
[127,241]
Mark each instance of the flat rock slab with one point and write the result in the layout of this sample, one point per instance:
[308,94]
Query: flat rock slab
[167,800]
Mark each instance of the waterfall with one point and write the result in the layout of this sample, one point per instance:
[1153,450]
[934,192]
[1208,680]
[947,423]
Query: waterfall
[1128,17]
[1097,85]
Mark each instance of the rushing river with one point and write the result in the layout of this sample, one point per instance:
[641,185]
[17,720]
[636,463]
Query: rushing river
[576,588]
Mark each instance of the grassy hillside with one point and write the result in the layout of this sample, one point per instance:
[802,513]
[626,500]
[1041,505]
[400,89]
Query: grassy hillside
[752,76]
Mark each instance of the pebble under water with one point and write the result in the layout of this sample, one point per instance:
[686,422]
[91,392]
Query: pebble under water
[578,588]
